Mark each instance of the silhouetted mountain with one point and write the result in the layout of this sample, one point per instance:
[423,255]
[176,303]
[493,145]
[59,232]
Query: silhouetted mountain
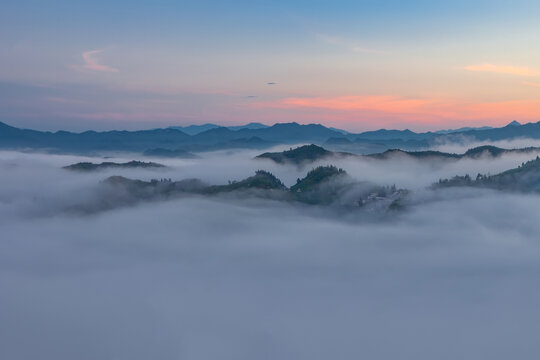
[384,134]
[299,155]
[493,151]
[251,125]
[311,153]
[429,154]
[252,136]
[194,129]
[14,138]
[276,134]
[510,131]
[262,180]
[197,129]
[524,178]
[316,177]
[325,185]
[88,166]
[341,131]
[450,131]
[474,153]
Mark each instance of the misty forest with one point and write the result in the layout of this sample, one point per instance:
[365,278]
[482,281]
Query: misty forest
[305,248]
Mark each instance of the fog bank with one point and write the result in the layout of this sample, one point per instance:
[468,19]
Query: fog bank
[454,276]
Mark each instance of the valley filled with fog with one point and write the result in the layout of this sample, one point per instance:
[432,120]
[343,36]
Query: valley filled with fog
[452,275]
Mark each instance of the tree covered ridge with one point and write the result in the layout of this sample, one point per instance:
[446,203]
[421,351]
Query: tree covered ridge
[525,177]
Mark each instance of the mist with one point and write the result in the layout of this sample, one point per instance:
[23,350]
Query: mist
[454,276]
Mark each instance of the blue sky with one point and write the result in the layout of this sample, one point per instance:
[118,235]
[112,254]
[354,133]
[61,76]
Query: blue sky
[352,64]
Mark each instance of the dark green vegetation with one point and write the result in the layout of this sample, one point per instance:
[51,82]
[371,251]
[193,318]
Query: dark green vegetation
[428,154]
[87,166]
[317,176]
[299,155]
[262,180]
[311,153]
[253,136]
[524,178]
[325,185]
[494,151]
[322,186]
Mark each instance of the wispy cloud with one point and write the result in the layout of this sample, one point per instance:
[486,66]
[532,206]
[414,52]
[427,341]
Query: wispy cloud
[528,83]
[92,62]
[352,46]
[504,69]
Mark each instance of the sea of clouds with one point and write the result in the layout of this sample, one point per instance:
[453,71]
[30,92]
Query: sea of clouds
[453,277]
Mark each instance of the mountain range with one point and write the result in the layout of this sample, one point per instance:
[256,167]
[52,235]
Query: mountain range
[197,129]
[253,135]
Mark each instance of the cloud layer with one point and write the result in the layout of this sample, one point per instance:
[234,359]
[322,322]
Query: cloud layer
[197,278]
[194,278]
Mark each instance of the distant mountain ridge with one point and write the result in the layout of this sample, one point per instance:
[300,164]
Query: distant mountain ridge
[88,166]
[197,129]
[253,135]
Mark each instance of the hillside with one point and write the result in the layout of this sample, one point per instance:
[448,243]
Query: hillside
[524,178]
[316,177]
[299,155]
[324,185]
[262,180]
[311,153]
[88,166]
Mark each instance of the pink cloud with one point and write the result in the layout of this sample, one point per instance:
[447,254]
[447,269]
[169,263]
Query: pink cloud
[400,110]
[390,104]
[504,69]
[92,62]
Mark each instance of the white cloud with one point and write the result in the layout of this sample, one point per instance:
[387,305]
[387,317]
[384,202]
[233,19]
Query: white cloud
[199,278]
[92,62]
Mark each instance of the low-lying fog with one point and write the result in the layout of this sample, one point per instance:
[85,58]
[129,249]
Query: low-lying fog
[202,278]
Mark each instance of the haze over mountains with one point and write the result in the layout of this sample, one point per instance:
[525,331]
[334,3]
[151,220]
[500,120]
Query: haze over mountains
[251,136]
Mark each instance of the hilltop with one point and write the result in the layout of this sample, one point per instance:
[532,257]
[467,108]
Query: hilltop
[311,153]
[262,180]
[88,166]
[299,155]
[324,185]
[316,177]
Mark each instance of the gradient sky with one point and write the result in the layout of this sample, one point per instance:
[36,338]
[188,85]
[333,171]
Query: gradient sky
[358,65]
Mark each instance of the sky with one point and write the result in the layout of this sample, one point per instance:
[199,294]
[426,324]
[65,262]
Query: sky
[357,65]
